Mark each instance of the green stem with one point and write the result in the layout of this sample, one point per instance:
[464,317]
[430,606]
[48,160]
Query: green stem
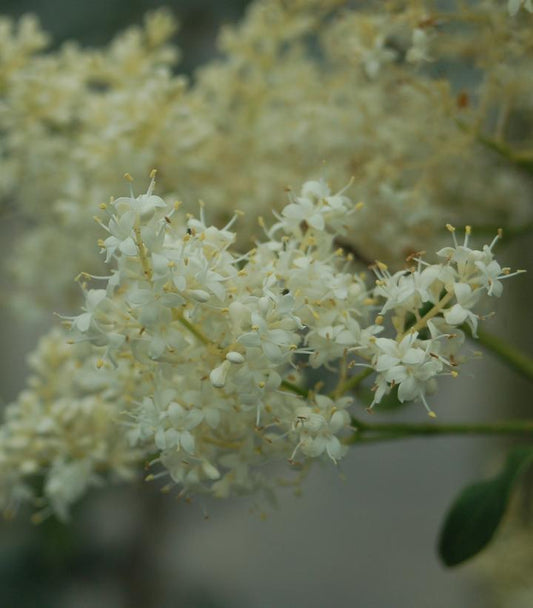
[513,357]
[194,331]
[391,430]
[352,383]
[524,160]
[435,310]
[293,388]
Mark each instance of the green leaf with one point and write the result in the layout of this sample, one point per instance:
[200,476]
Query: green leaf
[476,514]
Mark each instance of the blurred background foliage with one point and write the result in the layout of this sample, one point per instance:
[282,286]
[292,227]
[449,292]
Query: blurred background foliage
[95,23]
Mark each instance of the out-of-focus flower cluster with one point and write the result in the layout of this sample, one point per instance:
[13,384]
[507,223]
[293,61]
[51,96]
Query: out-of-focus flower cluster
[63,433]
[418,103]
[201,352]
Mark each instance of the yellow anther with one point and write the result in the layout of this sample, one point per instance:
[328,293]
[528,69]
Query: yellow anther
[450,227]
[468,229]
[359,206]
[432,414]
[128,177]
[381,265]
[100,364]
[379,320]
[102,206]
[454,374]
[153,173]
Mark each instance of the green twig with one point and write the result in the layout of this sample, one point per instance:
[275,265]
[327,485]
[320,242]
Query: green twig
[293,388]
[353,382]
[524,160]
[391,430]
[192,328]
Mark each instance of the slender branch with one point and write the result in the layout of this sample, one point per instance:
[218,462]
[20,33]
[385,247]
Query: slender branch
[142,252]
[352,383]
[193,329]
[391,430]
[513,357]
[524,160]
[293,388]
[422,323]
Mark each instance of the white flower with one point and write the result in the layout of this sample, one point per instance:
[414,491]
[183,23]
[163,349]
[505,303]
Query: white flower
[66,482]
[94,300]
[406,365]
[467,298]
[318,428]
[419,50]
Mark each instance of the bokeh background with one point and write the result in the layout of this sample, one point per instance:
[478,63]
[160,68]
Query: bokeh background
[363,534]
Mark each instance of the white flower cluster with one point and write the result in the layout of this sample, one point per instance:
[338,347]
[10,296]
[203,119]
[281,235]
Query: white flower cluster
[206,349]
[224,334]
[195,350]
[428,304]
[62,435]
[371,100]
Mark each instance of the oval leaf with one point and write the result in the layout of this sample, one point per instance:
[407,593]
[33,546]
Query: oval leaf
[476,514]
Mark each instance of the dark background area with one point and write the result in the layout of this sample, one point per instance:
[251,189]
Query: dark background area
[95,23]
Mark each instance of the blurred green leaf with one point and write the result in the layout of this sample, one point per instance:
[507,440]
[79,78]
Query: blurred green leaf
[476,514]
